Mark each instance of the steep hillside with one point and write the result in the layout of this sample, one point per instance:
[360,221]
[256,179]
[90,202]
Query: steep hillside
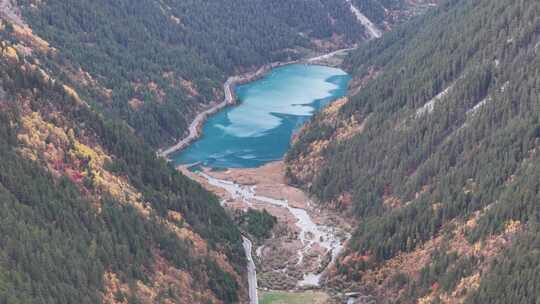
[436,154]
[87,91]
[158,62]
[155,63]
[88,214]
[384,13]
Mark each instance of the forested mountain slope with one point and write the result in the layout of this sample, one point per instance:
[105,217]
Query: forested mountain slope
[386,12]
[158,62]
[88,214]
[88,89]
[155,63]
[436,153]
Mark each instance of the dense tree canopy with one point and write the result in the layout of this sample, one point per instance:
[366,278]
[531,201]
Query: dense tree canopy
[126,76]
[452,128]
[164,59]
[56,245]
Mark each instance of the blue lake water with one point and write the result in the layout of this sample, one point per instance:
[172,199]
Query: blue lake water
[258,130]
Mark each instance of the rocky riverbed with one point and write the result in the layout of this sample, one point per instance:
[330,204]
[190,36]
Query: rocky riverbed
[306,239]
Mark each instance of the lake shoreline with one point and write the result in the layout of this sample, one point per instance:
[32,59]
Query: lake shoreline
[195,127]
[314,239]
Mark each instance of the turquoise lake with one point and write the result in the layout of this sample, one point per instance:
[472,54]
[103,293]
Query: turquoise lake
[258,130]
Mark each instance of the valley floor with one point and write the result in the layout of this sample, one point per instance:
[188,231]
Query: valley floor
[306,239]
[280,297]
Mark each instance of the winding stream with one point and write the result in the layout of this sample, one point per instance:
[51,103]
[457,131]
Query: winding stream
[310,233]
